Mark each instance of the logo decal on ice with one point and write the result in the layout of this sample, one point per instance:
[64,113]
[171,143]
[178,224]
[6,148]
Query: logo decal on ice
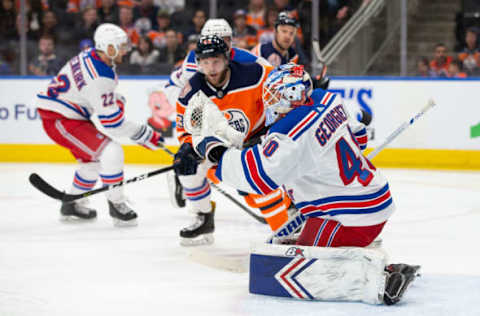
[294,251]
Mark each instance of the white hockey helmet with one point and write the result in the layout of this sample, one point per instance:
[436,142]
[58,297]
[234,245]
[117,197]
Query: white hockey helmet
[219,27]
[285,88]
[108,34]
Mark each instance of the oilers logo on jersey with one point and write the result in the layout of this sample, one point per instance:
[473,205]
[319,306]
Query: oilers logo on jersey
[238,120]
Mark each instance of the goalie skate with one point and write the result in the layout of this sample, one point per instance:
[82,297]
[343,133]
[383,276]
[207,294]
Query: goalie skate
[399,278]
[200,232]
[122,214]
[175,190]
[74,211]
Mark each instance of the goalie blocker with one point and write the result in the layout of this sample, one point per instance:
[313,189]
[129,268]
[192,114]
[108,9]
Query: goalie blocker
[328,274]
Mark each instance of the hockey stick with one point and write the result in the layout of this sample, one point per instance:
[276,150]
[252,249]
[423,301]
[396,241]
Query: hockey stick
[430,104]
[52,192]
[225,193]
[296,222]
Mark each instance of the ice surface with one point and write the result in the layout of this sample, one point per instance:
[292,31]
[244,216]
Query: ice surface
[52,268]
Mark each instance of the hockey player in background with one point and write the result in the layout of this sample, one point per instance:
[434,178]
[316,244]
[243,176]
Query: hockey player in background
[180,77]
[280,51]
[236,89]
[77,105]
[312,151]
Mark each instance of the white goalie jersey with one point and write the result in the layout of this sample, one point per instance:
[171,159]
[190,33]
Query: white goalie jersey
[313,153]
[84,87]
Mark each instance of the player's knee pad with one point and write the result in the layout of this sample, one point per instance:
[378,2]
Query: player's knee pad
[327,274]
[112,158]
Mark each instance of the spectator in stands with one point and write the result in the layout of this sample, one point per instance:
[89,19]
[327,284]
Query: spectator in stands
[198,20]
[47,62]
[145,54]
[49,24]
[192,43]
[280,51]
[454,70]
[172,53]
[469,56]
[108,12]
[146,10]
[76,6]
[7,57]
[125,17]
[266,33]
[7,20]
[87,25]
[440,61]
[244,36]
[158,36]
[423,68]
[256,14]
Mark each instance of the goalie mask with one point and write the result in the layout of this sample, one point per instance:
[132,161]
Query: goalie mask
[286,87]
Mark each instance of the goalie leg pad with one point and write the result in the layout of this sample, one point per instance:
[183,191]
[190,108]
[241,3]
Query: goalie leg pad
[312,273]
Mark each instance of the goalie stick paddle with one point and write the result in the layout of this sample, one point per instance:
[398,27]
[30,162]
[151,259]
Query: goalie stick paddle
[44,187]
[297,221]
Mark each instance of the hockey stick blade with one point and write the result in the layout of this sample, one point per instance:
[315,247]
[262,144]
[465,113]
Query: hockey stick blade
[54,193]
[44,187]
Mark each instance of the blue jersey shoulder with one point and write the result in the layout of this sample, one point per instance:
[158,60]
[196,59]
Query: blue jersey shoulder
[243,56]
[102,68]
[289,122]
[322,97]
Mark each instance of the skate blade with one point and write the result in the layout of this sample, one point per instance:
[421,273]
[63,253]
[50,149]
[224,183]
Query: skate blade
[206,239]
[119,223]
[72,219]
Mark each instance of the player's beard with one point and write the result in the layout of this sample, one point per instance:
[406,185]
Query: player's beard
[221,78]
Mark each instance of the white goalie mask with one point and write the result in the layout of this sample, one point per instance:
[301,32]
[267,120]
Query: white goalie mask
[286,87]
[108,34]
[219,27]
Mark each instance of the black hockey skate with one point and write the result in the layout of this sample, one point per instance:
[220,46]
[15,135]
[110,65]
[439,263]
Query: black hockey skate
[122,214]
[76,211]
[201,231]
[399,277]
[175,191]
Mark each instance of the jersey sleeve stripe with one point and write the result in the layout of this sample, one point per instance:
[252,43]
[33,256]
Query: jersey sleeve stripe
[112,120]
[254,172]
[303,125]
[90,68]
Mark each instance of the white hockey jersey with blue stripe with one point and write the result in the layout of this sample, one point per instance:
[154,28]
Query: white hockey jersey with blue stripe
[313,154]
[85,86]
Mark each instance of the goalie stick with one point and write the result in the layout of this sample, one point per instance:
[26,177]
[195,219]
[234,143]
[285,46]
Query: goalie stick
[225,193]
[44,187]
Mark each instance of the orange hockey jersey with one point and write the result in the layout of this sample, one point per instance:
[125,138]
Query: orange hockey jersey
[240,100]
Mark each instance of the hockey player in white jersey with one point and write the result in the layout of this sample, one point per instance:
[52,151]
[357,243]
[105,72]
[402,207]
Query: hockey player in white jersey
[81,96]
[311,150]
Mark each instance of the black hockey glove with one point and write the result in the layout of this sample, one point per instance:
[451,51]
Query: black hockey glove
[321,82]
[211,148]
[186,160]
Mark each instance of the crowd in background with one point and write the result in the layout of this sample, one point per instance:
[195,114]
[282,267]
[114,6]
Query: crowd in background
[161,31]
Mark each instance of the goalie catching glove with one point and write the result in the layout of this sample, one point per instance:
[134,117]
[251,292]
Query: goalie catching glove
[211,133]
[148,138]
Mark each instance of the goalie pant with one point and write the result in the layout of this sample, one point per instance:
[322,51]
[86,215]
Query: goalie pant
[313,154]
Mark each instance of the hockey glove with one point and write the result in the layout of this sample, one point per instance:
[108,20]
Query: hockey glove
[186,160]
[211,148]
[148,138]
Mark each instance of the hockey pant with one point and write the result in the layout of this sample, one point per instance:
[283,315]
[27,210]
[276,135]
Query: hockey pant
[330,233]
[96,153]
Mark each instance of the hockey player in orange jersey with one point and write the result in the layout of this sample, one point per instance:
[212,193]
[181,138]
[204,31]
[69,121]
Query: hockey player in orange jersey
[237,91]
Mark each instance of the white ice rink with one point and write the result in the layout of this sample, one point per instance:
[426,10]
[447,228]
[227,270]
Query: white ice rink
[52,268]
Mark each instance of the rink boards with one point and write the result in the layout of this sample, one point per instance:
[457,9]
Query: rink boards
[446,137]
